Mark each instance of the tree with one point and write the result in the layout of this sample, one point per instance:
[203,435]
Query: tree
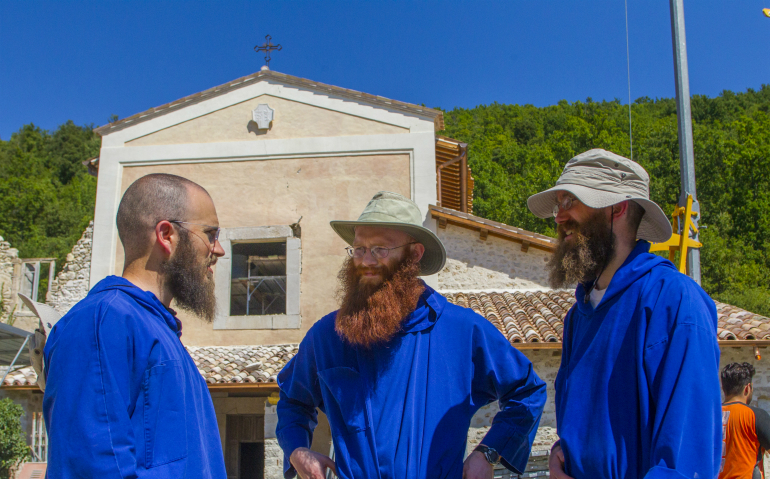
[46,195]
[515,151]
[13,446]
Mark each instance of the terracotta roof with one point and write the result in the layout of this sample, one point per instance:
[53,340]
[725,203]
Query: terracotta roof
[537,316]
[217,364]
[241,364]
[21,377]
[524,317]
[269,75]
[734,323]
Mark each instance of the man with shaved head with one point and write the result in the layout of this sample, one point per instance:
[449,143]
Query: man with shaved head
[124,399]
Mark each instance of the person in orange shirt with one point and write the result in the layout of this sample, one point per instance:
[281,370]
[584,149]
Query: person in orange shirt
[745,429]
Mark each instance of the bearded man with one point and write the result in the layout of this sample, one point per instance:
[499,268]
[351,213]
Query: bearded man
[124,399]
[637,393]
[399,371]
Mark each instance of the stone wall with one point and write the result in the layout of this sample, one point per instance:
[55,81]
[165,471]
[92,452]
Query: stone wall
[762,367]
[273,459]
[71,284]
[8,257]
[494,263]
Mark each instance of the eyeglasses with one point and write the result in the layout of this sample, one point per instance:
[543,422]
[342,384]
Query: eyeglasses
[563,205]
[212,234]
[379,252]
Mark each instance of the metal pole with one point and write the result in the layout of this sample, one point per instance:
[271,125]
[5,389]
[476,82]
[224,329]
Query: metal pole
[14,360]
[684,121]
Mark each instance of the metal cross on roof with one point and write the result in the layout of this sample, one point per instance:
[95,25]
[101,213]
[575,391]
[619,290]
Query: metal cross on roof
[267,47]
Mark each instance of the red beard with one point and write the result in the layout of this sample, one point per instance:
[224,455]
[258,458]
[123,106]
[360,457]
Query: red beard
[373,314]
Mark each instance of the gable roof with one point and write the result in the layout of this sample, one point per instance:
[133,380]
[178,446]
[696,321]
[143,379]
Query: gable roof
[269,75]
[538,317]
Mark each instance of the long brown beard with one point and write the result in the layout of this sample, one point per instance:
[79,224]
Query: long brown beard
[373,314]
[581,261]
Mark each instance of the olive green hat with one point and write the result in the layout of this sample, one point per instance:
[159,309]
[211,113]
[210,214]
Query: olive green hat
[391,210]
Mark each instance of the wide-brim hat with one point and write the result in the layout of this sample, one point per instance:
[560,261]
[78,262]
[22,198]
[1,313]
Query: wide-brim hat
[391,210]
[600,178]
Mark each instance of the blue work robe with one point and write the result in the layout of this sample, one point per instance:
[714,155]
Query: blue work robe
[637,393]
[402,410]
[123,398]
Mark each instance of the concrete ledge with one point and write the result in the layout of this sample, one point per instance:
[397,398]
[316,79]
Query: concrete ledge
[268,321]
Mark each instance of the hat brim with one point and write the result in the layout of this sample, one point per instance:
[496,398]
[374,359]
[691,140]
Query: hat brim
[47,315]
[432,260]
[654,227]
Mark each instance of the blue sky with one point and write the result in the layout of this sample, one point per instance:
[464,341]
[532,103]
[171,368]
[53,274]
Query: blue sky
[87,60]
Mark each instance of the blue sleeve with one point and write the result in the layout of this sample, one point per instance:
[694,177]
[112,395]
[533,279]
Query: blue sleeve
[504,374]
[683,372]
[88,406]
[299,397]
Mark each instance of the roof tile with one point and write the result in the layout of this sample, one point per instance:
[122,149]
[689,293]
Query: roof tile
[521,316]
[537,316]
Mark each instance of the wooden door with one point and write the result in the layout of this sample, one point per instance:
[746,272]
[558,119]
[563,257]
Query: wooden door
[248,429]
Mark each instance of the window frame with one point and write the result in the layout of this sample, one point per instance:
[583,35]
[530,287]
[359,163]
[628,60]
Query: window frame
[223,278]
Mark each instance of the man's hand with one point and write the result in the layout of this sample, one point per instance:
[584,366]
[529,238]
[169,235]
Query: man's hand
[311,465]
[556,463]
[477,467]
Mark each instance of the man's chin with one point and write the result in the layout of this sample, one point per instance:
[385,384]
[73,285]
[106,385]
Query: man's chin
[370,281]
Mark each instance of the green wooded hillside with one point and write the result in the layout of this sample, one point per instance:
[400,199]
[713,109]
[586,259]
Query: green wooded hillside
[47,197]
[518,150]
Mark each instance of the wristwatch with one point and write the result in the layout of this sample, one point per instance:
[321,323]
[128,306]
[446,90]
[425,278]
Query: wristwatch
[490,454]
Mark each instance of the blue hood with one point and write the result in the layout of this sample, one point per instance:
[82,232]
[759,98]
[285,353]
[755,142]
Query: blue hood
[637,393]
[638,263]
[146,298]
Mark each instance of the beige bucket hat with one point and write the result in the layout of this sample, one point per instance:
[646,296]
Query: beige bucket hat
[391,210]
[600,178]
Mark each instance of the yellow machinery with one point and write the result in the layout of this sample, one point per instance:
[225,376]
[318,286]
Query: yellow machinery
[677,242]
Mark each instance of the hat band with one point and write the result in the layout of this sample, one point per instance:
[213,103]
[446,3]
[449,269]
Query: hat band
[379,217]
[603,182]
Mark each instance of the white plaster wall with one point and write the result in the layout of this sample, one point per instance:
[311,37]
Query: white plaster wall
[494,263]
[292,119]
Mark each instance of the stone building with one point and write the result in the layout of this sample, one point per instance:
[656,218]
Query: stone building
[281,156]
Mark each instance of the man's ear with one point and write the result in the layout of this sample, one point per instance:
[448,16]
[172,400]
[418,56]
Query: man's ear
[417,251]
[619,210]
[166,237]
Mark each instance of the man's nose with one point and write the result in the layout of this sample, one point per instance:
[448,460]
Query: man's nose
[218,250]
[368,259]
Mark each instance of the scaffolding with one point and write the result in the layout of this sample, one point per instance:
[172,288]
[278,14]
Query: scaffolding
[264,284]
